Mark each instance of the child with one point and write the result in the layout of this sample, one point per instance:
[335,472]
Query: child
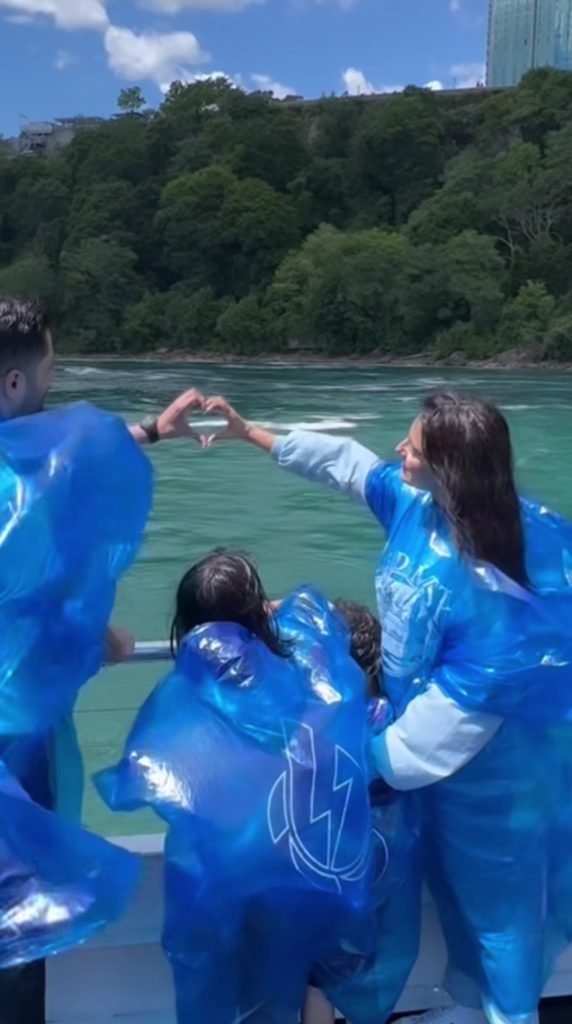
[365,632]
[253,752]
[369,991]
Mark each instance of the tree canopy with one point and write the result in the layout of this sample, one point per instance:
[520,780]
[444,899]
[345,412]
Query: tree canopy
[418,223]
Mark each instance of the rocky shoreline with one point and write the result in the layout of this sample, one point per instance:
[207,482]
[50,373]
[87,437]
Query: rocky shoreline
[515,360]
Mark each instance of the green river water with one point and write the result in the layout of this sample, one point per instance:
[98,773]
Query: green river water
[235,496]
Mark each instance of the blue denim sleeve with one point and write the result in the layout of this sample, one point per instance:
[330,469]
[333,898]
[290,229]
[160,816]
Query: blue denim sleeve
[337,462]
[383,488]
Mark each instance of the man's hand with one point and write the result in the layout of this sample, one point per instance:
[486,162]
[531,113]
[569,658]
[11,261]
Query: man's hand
[174,421]
[119,645]
[237,428]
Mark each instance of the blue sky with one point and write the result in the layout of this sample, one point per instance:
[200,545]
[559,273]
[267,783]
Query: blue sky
[65,57]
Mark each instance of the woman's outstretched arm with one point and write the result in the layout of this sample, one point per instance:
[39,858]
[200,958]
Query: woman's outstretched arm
[336,462]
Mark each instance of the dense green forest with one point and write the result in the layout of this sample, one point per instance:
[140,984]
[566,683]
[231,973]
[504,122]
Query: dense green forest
[417,223]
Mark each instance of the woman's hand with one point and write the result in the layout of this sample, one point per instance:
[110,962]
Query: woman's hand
[237,428]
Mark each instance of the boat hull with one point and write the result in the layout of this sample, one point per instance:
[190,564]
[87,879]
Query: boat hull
[122,975]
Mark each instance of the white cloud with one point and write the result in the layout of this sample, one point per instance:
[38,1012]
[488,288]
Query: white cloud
[212,76]
[356,84]
[467,76]
[64,60]
[176,6]
[161,57]
[266,84]
[455,6]
[67,14]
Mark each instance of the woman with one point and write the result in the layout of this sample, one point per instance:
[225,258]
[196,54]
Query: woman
[474,588]
[253,751]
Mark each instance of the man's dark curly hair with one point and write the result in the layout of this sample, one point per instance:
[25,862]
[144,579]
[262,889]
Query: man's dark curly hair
[365,631]
[24,326]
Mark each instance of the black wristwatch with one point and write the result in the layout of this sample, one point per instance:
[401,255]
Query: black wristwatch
[150,428]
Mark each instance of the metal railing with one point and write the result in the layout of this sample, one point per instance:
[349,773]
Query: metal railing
[150,650]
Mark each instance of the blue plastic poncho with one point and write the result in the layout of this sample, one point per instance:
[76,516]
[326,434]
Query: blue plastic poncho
[367,988]
[257,764]
[498,833]
[58,884]
[75,492]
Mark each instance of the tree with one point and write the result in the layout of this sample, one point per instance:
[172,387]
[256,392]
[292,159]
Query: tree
[99,281]
[38,213]
[525,320]
[181,319]
[191,318]
[270,146]
[144,323]
[104,210]
[347,289]
[408,223]
[474,278]
[117,150]
[558,340]
[461,204]
[398,151]
[227,233]
[259,226]
[31,277]
[245,327]
[131,101]
[190,224]
[528,201]
[322,193]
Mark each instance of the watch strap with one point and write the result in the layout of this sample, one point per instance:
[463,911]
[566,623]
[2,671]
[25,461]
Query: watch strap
[150,428]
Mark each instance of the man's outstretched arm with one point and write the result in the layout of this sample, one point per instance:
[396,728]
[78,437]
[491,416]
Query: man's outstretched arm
[173,421]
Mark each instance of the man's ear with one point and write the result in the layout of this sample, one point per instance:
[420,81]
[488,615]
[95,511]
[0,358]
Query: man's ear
[14,387]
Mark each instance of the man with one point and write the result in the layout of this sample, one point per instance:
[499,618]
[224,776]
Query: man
[26,368]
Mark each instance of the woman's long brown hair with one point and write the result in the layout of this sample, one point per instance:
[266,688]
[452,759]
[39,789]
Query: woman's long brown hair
[467,445]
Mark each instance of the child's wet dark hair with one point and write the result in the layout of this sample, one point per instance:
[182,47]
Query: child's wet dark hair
[225,587]
[365,632]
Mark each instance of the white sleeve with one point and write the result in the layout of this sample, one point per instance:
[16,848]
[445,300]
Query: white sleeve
[432,740]
[339,463]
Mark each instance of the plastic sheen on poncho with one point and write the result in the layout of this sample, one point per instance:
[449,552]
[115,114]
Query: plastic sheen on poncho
[258,765]
[498,833]
[75,492]
[58,884]
[368,988]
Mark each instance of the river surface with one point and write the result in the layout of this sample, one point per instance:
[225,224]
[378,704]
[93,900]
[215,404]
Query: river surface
[234,495]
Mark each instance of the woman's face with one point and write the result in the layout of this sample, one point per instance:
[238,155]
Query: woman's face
[415,470]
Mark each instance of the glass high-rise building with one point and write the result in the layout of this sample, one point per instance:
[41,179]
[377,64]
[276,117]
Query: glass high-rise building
[525,34]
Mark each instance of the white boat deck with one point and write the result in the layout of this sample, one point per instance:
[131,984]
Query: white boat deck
[122,977]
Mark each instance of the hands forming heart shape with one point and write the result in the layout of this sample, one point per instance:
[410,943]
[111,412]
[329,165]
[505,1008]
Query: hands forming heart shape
[174,421]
